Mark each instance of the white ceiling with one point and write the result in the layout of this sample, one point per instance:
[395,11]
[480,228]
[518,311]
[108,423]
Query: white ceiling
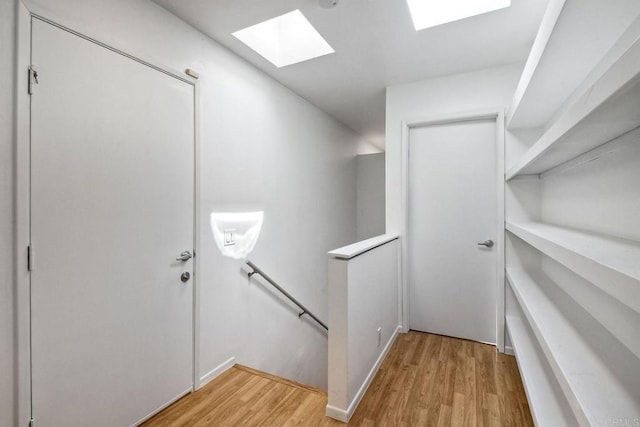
[376,46]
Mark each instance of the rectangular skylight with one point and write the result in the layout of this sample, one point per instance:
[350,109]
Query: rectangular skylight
[429,13]
[285,39]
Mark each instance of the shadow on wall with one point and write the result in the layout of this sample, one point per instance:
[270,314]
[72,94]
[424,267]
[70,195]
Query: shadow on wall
[371,195]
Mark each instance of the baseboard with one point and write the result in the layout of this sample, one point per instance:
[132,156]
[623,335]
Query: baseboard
[337,414]
[215,372]
[509,350]
[345,415]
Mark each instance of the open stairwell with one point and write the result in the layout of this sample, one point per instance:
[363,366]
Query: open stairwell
[425,379]
[244,396]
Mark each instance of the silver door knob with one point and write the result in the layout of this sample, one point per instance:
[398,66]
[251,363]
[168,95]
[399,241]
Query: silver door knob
[184,256]
[486,243]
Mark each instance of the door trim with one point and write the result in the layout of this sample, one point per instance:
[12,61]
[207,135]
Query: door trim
[498,115]
[22,197]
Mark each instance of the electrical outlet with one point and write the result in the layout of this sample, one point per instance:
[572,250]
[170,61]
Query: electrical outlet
[379,336]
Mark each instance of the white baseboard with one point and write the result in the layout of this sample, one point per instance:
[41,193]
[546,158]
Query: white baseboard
[337,414]
[215,372]
[509,350]
[345,415]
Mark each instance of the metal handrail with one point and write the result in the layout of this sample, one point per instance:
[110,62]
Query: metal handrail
[273,283]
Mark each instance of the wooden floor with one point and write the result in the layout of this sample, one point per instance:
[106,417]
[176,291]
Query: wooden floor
[426,380]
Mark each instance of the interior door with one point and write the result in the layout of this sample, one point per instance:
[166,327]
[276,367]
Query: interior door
[452,208]
[112,206]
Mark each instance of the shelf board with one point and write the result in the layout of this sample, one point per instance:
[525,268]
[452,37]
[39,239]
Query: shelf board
[606,109]
[599,380]
[524,90]
[555,67]
[545,397]
[612,264]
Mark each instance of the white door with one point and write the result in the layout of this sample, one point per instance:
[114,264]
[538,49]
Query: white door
[452,207]
[112,205]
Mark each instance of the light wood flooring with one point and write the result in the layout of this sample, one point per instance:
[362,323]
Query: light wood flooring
[426,380]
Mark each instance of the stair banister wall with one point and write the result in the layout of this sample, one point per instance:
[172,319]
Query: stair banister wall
[363,318]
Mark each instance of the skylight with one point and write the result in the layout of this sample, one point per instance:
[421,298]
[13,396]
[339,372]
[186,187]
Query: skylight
[429,13]
[285,39]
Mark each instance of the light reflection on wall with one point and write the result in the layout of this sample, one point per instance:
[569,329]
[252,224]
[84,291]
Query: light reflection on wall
[245,228]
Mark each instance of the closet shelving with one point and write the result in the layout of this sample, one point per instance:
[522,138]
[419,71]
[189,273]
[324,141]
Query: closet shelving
[593,389]
[574,39]
[543,392]
[606,109]
[611,263]
[573,279]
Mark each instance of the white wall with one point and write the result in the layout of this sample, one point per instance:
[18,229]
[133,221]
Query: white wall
[368,147]
[373,303]
[370,195]
[363,292]
[7,29]
[458,93]
[263,148]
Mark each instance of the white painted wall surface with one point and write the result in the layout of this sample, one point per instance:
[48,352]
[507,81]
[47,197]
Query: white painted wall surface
[370,195]
[477,90]
[262,148]
[365,291]
[368,147]
[7,38]
[373,281]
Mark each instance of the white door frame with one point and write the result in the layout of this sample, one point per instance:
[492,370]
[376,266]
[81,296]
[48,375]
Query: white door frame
[496,114]
[23,210]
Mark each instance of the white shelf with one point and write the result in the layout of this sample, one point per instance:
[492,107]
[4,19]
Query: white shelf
[516,115]
[610,263]
[547,403]
[577,348]
[599,378]
[604,110]
[358,248]
[556,65]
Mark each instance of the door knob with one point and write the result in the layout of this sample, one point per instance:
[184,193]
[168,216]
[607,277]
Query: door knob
[184,256]
[185,276]
[487,243]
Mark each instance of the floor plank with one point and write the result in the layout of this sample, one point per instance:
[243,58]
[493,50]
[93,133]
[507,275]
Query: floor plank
[426,380]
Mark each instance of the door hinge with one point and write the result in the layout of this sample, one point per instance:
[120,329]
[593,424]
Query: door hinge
[33,79]
[32,423]
[29,258]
